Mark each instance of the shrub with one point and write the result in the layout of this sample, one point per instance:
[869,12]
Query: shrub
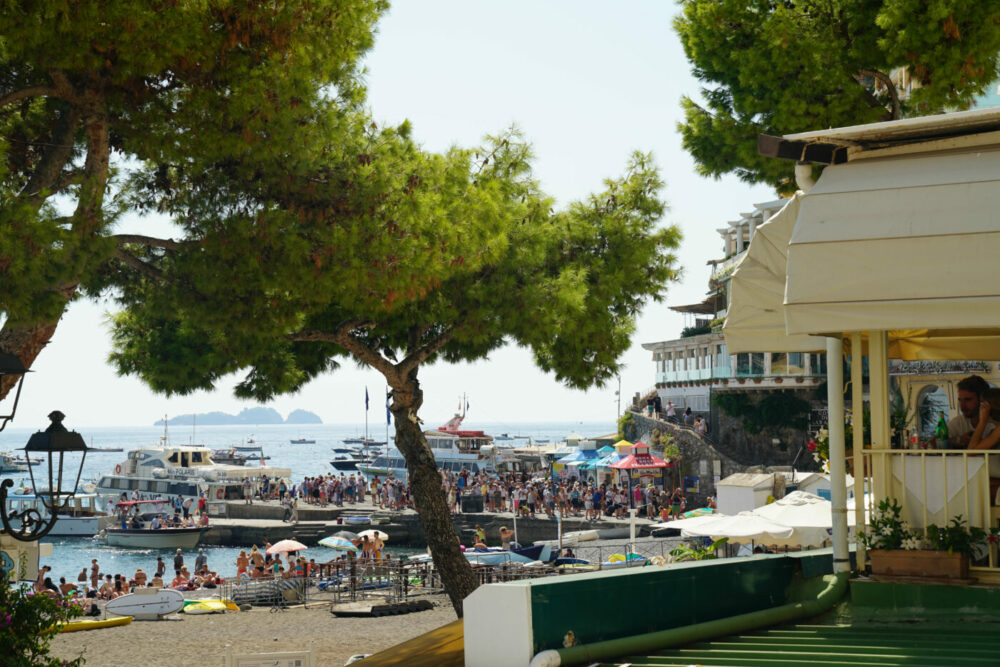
[27,623]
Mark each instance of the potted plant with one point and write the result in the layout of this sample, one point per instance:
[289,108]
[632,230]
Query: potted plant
[896,550]
[779,380]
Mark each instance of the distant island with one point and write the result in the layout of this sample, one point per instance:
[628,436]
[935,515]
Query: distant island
[247,416]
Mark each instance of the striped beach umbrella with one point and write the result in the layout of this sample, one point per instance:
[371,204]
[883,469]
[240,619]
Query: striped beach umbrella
[340,543]
[701,511]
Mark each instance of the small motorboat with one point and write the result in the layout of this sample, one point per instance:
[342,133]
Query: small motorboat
[303,441]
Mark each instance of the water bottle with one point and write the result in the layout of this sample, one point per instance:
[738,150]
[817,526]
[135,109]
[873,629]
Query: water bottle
[941,432]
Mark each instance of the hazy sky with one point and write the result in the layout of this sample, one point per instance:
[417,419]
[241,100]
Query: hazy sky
[587,82]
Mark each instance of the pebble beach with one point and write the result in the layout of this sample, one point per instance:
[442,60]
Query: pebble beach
[182,641]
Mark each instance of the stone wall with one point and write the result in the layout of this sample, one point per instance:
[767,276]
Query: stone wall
[699,457]
[761,448]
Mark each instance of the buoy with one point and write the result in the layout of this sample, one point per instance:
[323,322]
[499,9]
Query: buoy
[220,494]
[118,469]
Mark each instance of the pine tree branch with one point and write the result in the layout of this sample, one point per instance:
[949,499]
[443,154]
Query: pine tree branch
[425,350]
[886,81]
[149,241]
[139,265]
[24,93]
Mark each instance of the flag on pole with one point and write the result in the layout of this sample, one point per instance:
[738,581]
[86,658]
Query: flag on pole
[366,399]
[388,415]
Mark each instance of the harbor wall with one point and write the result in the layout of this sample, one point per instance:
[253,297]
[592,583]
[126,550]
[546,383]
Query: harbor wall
[254,524]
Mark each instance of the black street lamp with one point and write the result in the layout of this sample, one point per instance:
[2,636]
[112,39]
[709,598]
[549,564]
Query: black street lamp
[57,444]
[11,365]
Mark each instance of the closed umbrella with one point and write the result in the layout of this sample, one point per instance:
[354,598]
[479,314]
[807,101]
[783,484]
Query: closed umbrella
[285,546]
[340,543]
[373,534]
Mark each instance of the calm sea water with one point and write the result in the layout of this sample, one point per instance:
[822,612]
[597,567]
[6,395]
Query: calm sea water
[69,555]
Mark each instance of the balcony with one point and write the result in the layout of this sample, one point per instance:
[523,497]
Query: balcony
[935,486]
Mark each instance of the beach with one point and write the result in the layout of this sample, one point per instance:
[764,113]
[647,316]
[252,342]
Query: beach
[180,640]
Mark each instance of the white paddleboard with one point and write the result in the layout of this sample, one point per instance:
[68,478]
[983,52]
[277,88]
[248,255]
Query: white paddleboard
[147,605]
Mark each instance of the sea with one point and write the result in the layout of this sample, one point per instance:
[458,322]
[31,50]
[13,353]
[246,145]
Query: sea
[70,555]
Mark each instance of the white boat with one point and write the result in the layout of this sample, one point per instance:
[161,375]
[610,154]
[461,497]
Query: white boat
[453,449]
[9,464]
[83,517]
[135,529]
[167,471]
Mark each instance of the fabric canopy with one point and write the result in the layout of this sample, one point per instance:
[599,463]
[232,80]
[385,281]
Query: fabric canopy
[814,243]
[899,243]
[638,461]
[807,514]
[755,321]
[741,528]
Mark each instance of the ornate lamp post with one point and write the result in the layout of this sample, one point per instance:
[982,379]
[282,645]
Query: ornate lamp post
[61,447]
[11,365]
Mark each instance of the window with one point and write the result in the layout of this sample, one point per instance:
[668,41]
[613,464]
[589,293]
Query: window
[743,364]
[817,364]
[796,363]
[195,457]
[779,363]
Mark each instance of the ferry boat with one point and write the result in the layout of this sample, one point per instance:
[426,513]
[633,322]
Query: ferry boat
[10,464]
[453,449]
[167,471]
[82,517]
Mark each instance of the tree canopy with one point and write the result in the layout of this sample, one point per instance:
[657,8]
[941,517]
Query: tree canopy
[396,257]
[178,91]
[782,67]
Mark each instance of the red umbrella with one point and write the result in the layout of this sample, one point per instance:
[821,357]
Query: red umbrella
[285,546]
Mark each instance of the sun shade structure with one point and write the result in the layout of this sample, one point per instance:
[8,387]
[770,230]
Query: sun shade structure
[285,546]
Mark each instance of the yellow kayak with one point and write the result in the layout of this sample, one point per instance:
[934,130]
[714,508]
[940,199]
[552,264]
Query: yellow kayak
[210,607]
[91,624]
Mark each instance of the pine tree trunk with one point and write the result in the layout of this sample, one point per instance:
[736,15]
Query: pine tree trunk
[425,483]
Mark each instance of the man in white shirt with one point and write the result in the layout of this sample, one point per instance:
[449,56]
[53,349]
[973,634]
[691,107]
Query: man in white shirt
[960,428]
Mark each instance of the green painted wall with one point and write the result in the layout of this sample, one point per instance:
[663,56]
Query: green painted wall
[620,603]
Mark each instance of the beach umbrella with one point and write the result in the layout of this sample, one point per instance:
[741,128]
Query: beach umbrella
[701,511]
[285,546]
[334,542]
[373,534]
[346,534]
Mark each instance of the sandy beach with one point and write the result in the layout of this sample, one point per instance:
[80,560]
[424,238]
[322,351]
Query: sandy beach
[181,641]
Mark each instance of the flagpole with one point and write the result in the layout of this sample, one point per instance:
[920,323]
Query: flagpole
[387,418]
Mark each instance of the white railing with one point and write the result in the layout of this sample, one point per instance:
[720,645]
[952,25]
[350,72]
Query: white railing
[935,486]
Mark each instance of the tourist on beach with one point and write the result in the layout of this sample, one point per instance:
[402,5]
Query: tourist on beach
[505,538]
[140,577]
[82,577]
[95,573]
[480,534]
[106,591]
[66,588]
[242,564]
[201,560]
[156,581]
[161,567]
[178,560]
[675,503]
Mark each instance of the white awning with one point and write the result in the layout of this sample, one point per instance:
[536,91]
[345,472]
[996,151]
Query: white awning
[755,321]
[900,243]
[906,245]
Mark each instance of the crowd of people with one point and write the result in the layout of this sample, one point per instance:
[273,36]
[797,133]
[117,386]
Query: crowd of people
[510,492]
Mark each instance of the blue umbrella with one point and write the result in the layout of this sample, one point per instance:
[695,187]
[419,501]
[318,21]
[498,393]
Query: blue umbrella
[335,542]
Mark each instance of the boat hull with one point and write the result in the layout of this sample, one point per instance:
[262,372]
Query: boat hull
[164,538]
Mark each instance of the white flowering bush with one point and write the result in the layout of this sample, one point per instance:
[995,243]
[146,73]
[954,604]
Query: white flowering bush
[889,531]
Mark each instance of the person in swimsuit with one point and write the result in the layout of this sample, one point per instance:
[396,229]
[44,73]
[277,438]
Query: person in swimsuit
[242,565]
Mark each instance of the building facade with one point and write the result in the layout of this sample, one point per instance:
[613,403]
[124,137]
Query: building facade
[690,368]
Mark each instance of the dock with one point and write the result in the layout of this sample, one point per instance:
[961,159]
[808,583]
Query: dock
[262,522]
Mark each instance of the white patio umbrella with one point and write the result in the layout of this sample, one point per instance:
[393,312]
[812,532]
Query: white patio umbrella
[741,528]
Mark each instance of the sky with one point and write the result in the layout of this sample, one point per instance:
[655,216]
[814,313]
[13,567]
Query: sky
[587,83]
